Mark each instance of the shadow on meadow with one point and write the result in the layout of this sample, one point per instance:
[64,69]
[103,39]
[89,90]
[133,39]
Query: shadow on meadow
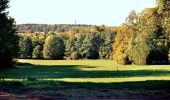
[152,88]
[86,89]
[73,71]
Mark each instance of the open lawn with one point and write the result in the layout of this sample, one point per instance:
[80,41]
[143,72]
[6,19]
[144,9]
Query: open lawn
[85,79]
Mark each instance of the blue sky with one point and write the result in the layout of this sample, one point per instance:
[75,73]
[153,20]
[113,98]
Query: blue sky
[95,12]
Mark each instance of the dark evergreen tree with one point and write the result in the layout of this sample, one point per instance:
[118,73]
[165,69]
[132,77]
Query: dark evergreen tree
[91,45]
[70,46]
[26,48]
[8,37]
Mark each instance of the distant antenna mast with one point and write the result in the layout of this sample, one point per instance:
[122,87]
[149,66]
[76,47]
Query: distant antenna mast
[75,21]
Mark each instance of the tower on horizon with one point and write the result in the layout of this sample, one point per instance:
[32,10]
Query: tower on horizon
[75,22]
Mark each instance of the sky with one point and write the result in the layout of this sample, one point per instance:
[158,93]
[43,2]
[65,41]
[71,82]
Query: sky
[93,12]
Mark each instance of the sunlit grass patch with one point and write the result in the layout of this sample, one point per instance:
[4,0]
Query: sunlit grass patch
[89,77]
[97,71]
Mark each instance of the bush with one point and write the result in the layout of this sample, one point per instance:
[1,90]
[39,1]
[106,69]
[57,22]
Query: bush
[75,56]
[157,57]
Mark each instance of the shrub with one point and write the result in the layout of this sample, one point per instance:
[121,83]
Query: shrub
[75,56]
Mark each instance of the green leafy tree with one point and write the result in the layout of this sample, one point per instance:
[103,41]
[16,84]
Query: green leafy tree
[70,46]
[165,19]
[54,48]
[149,38]
[35,41]
[37,52]
[146,41]
[107,39]
[139,50]
[8,37]
[91,45]
[159,48]
[79,43]
[26,48]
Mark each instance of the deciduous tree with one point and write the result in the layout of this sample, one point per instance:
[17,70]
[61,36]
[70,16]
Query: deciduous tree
[54,48]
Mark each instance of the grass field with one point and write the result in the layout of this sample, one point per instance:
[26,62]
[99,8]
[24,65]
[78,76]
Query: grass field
[89,78]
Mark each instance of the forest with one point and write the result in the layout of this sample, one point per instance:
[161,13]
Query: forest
[79,42]
[144,38]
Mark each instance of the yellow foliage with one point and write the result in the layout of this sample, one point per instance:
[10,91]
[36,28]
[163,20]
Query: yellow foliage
[121,44]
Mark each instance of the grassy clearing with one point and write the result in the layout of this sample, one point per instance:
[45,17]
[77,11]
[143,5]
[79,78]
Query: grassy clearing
[89,75]
[97,71]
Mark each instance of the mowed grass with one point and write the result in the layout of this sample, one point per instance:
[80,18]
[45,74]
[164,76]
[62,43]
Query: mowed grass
[91,79]
[96,71]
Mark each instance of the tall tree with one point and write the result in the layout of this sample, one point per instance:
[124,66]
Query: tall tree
[26,48]
[132,18]
[121,44]
[8,37]
[107,39]
[37,52]
[91,45]
[148,36]
[70,46]
[54,48]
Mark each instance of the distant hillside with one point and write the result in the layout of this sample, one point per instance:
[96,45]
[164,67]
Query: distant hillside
[35,28]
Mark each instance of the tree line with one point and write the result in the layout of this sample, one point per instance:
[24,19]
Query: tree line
[143,39]
[92,42]
[45,28]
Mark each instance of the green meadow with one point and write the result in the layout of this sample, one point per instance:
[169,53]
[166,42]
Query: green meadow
[97,71]
[52,75]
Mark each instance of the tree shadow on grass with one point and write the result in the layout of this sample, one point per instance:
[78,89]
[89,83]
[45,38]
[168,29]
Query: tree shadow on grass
[73,71]
[143,87]
[47,87]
